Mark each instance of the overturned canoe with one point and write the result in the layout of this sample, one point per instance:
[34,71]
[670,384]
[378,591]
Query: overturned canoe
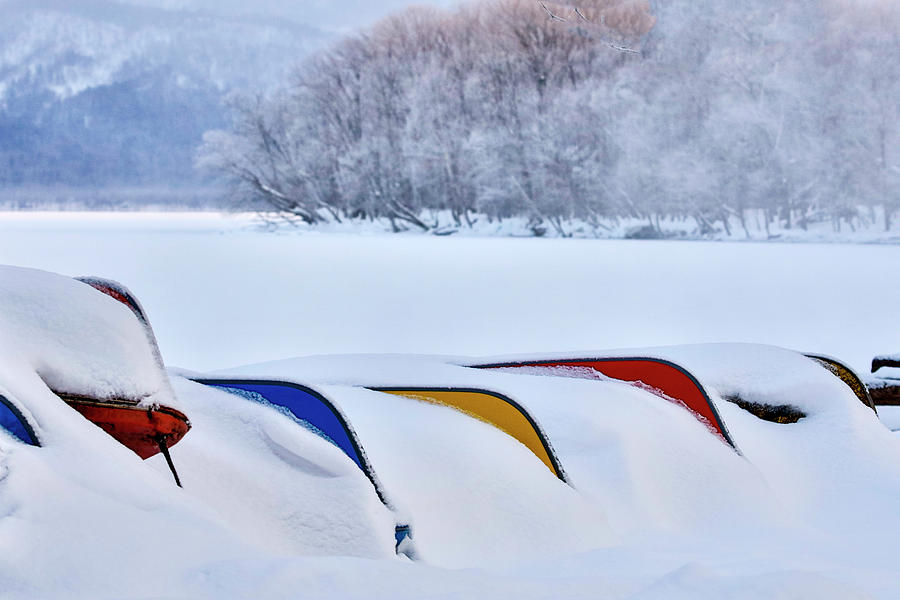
[662,377]
[848,376]
[885,392]
[15,423]
[318,414]
[887,360]
[493,408]
[146,431]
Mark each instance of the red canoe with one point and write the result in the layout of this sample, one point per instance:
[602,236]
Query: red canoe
[146,431]
[656,375]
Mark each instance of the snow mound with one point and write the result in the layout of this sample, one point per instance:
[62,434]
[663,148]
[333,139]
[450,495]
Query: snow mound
[83,516]
[278,485]
[74,340]
[658,507]
[476,496]
[656,472]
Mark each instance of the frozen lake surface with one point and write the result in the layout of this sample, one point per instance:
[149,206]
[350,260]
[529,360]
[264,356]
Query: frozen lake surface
[220,291]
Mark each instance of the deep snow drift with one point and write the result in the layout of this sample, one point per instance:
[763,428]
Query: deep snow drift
[658,507]
[84,516]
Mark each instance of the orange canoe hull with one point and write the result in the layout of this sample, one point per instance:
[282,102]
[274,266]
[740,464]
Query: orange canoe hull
[138,428]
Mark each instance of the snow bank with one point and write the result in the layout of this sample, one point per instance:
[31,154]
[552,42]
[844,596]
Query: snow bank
[646,462]
[815,474]
[825,464]
[658,506]
[83,516]
[787,509]
[890,416]
[278,485]
[476,496]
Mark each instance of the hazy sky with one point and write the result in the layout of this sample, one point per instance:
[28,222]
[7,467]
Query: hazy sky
[333,14]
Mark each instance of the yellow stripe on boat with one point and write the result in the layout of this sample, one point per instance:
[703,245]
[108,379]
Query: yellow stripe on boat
[493,409]
[848,376]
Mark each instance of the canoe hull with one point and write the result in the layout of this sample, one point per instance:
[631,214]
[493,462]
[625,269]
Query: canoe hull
[139,428]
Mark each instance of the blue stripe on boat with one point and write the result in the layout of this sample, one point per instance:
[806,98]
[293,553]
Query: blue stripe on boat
[304,406]
[12,421]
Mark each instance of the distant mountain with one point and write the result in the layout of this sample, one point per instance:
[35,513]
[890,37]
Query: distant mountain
[99,93]
[329,14]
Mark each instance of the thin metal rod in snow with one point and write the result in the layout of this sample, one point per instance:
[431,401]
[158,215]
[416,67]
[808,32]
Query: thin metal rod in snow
[164,448]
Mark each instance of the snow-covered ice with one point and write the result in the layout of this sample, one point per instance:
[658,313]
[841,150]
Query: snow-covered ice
[221,293]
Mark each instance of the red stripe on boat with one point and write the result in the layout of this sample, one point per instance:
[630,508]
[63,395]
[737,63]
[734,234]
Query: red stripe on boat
[672,381]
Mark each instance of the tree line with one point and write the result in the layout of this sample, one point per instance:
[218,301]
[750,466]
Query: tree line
[594,111]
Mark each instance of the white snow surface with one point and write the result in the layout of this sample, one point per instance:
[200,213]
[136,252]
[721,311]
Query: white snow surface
[278,485]
[658,507]
[221,292]
[890,416]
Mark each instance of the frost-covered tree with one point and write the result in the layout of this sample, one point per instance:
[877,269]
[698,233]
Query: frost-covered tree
[863,52]
[736,115]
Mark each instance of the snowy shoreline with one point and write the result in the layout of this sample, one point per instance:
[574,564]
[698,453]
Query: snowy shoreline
[623,229]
